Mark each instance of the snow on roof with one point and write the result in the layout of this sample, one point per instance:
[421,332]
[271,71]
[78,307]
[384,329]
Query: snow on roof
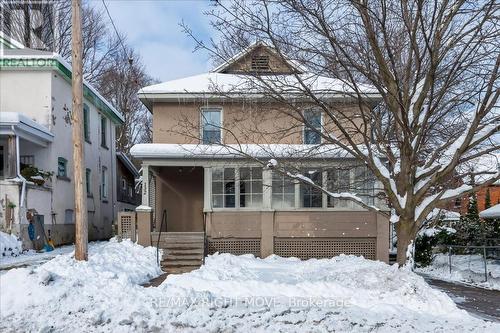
[9,41]
[292,151]
[127,163]
[492,212]
[27,53]
[25,123]
[246,84]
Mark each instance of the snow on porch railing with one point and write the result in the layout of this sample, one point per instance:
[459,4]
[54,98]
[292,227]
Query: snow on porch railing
[127,225]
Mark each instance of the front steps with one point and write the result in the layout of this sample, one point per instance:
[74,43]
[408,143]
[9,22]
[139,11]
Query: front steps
[182,251]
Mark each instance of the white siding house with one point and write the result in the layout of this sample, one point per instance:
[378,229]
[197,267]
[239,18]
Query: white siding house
[35,131]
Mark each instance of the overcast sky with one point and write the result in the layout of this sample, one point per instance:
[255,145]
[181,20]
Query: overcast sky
[152,28]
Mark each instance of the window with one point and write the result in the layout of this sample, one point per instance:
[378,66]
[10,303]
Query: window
[62,165]
[260,63]
[250,187]
[27,160]
[283,191]
[130,191]
[124,184]
[86,123]
[69,217]
[338,181]
[211,125]
[88,184]
[104,132]
[223,188]
[312,197]
[104,183]
[364,184]
[312,127]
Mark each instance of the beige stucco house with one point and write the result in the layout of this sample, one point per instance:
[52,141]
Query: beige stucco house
[210,174]
[35,141]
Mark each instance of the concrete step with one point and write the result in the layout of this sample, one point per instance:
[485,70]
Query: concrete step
[183,256]
[197,251]
[180,263]
[188,246]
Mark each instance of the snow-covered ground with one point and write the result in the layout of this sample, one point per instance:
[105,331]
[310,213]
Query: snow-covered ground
[10,246]
[31,257]
[230,293]
[464,268]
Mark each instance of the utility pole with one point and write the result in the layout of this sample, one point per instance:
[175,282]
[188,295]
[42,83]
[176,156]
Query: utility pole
[81,228]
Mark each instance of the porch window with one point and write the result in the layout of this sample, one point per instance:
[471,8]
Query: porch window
[211,122]
[86,123]
[27,161]
[88,184]
[283,191]
[312,127]
[338,181]
[62,167]
[312,197]
[224,188]
[104,131]
[104,183]
[250,187]
[364,184]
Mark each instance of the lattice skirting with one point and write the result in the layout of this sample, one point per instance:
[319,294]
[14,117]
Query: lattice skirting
[306,248]
[234,246]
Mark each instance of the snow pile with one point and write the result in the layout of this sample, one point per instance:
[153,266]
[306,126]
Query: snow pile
[10,245]
[229,293]
[431,232]
[465,268]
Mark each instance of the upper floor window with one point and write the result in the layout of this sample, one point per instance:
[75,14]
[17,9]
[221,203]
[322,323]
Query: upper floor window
[283,191]
[62,167]
[260,63]
[310,195]
[104,183]
[104,131]
[86,122]
[312,127]
[211,123]
[88,183]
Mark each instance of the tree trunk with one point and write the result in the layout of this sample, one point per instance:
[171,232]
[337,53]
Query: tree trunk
[405,233]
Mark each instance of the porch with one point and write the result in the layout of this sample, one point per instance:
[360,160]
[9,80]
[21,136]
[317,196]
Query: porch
[208,205]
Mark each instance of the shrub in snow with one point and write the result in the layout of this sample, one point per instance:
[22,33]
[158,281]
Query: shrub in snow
[10,245]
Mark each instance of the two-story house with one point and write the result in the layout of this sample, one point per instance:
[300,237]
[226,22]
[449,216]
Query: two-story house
[205,173]
[36,149]
[127,191]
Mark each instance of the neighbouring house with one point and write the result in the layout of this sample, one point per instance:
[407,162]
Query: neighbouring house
[128,195]
[36,161]
[208,198]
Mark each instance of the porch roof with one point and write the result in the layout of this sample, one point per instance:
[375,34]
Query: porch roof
[260,151]
[14,123]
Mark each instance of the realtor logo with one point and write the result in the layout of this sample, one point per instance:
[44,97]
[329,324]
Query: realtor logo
[32,23]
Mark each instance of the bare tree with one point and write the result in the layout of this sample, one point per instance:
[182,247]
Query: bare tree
[119,83]
[434,65]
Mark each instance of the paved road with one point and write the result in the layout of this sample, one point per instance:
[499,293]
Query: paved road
[480,302]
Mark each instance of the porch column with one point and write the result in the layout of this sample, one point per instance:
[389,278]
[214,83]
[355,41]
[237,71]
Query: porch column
[12,158]
[267,181]
[144,225]
[207,188]
[145,185]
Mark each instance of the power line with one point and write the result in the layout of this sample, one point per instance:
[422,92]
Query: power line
[116,31]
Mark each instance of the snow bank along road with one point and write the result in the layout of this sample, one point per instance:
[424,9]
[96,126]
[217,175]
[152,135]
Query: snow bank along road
[230,293]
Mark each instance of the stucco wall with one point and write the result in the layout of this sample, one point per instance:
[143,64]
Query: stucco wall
[243,122]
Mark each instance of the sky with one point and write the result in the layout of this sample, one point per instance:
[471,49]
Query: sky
[152,29]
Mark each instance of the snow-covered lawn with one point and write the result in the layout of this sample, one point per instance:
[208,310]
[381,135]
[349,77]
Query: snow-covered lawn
[464,268]
[230,293]
[10,246]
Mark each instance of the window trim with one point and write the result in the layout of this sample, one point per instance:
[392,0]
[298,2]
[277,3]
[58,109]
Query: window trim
[86,133]
[221,110]
[88,181]
[65,176]
[305,127]
[104,136]
[104,184]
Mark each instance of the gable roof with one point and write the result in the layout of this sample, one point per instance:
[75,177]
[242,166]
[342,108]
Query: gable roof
[251,48]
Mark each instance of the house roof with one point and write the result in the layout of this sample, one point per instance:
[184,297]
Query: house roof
[14,123]
[217,84]
[8,42]
[491,213]
[40,60]
[284,151]
[127,163]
